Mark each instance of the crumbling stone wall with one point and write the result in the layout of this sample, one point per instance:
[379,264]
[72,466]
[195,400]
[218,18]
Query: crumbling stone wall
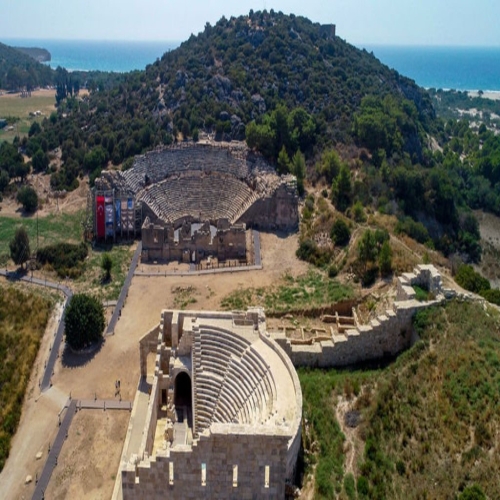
[387,335]
[278,211]
[158,242]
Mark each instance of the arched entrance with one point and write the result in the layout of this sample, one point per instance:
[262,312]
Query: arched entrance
[183,397]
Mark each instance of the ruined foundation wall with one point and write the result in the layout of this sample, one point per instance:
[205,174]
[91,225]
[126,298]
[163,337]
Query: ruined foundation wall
[387,335]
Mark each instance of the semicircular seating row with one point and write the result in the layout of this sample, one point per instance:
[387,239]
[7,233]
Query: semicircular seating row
[232,381]
[158,165]
[209,197]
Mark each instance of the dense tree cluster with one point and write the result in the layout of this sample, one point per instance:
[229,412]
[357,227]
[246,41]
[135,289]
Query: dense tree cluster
[19,71]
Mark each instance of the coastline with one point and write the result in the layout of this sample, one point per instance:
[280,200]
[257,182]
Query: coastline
[494,95]
[487,94]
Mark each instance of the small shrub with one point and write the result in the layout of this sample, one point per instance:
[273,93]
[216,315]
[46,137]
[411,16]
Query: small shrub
[350,486]
[65,258]
[369,276]
[472,281]
[413,229]
[363,487]
[332,271]
[358,212]
[106,265]
[28,198]
[492,295]
[420,294]
[340,233]
[400,467]
[473,492]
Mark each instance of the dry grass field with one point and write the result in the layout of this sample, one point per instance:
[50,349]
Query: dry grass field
[13,105]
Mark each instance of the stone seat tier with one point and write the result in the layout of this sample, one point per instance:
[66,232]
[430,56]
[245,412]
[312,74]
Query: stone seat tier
[158,165]
[210,197]
[232,381]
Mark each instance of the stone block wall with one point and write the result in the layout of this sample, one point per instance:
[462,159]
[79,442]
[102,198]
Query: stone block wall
[387,335]
[158,242]
[424,276]
[279,211]
[219,449]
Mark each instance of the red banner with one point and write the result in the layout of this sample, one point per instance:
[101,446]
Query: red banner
[100,217]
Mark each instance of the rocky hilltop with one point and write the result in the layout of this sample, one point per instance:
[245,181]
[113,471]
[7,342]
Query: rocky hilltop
[36,53]
[246,65]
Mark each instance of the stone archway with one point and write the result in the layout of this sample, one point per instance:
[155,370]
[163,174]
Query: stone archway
[183,397]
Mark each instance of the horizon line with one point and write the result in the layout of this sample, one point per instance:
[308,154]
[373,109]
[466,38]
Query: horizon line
[359,44]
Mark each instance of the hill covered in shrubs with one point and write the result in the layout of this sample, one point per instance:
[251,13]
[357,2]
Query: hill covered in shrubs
[224,78]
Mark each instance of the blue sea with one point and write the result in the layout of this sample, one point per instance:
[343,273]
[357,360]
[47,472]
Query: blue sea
[459,68]
[118,56]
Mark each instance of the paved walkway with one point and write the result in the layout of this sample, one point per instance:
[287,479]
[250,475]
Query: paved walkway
[257,266]
[72,406]
[220,270]
[51,362]
[55,450]
[123,294]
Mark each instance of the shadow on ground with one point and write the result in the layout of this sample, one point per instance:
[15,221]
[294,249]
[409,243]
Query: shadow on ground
[77,359]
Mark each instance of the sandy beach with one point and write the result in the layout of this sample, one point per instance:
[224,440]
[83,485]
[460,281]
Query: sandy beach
[487,94]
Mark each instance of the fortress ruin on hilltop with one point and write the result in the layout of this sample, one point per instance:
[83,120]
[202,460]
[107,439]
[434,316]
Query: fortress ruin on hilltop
[194,200]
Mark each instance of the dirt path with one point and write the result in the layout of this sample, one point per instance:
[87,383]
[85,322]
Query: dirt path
[352,445]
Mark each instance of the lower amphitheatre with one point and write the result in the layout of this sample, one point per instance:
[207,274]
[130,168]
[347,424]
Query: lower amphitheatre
[186,400]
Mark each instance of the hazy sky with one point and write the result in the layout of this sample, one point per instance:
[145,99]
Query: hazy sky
[400,22]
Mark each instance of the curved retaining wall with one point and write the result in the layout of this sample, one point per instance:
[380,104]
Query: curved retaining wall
[295,440]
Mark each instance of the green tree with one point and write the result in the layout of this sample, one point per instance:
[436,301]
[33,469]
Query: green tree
[84,321]
[301,129]
[283,162]
[20,246]
[34,129]
[358,212]
[329,165]
[342,189]
[340,233]
[106,265]
[4,180]
[385,259]
[299,170]
[261,137]
[96,158]
[28,198]
[40,161]
[367,248]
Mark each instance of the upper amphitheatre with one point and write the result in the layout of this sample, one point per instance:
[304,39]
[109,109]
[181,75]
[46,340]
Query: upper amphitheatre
[194,200]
